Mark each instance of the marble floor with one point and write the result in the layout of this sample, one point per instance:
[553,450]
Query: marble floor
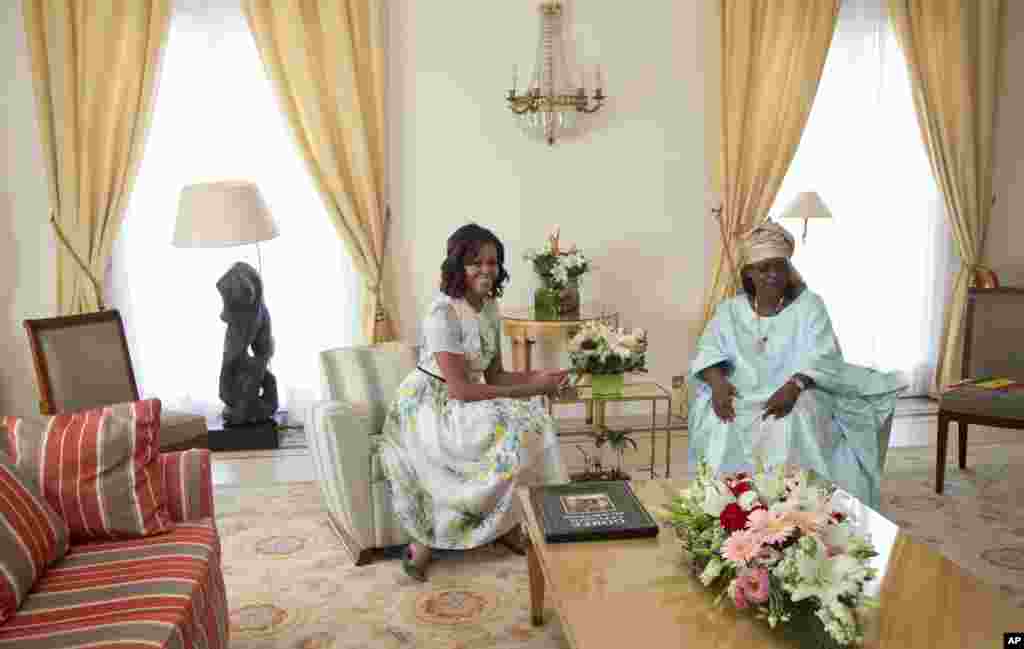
[913,426]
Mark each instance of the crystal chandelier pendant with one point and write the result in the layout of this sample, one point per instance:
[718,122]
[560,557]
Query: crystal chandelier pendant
[549,107]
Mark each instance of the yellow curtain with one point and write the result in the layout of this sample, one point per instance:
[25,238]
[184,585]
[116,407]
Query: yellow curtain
[95,66]
[773,53]
[326,60]
[953,50]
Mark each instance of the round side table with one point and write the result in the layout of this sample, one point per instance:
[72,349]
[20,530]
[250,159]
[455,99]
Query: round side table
[523,327]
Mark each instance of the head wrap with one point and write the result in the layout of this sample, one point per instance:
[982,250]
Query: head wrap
[766,241]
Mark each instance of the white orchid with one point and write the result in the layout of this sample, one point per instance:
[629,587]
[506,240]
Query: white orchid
[716,498]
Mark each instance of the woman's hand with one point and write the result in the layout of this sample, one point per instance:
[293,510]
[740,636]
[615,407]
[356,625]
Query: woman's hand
[549,381]
[722,394]
[781,403]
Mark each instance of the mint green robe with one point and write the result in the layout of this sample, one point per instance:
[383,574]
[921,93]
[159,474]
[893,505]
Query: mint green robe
[833,428]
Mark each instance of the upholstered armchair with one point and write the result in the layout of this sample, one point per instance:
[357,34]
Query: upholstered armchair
[359,384]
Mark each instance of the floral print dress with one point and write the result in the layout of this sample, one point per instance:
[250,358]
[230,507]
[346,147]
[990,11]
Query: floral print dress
[453,466]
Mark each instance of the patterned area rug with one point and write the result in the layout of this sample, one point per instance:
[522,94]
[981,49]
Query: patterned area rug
[291,585]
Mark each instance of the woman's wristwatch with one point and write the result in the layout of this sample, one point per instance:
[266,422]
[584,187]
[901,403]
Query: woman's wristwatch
[798,382]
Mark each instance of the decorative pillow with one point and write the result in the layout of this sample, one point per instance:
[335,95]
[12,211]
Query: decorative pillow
[32,536]
[98,468]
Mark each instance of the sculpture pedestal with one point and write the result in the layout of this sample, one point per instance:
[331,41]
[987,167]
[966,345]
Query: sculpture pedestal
[243,437]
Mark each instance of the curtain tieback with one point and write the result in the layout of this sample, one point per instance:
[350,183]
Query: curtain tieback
[380,314]
[78,260]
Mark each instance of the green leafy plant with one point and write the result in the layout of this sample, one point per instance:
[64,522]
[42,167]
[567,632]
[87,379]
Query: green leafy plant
[617,440]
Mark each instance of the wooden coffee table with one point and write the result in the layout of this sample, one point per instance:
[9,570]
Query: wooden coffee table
[639,592]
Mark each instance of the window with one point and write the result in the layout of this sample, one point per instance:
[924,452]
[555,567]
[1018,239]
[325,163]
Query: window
[217,117]
[883,263]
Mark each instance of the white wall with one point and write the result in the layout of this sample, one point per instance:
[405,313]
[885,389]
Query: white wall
[631,193]
[1004,247]
[27,288]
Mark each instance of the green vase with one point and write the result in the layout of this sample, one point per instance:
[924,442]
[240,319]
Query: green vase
[607,385]
[546,304]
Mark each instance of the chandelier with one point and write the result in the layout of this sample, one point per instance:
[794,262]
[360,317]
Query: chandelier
[549,106]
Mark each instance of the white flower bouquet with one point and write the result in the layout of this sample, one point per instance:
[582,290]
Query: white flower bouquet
[557,268]
[775,543]
[599,349]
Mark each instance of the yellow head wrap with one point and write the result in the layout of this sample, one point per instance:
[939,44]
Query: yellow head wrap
[766,241]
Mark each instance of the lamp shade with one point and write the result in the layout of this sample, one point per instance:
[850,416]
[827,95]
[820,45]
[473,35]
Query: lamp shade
[807,205]
[222,214]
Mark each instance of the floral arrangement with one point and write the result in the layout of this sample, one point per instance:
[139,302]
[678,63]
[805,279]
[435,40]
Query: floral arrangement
[599,349]
[557,268]
[773,542]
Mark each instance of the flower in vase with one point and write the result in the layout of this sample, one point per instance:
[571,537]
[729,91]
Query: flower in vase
[741,547]
[754,584]
[773,526]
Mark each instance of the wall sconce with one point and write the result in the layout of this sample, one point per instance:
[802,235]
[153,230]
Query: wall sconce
[549,105]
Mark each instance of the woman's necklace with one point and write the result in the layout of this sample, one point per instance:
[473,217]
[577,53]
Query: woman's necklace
[762,340]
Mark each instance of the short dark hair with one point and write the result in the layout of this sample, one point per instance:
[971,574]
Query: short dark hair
[789,293]
[464,245]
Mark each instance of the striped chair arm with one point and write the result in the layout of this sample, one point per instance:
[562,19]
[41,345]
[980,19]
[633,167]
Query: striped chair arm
[188,484]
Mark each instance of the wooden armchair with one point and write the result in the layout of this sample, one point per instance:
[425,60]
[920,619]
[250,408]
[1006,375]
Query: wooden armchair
[993,346]
[82,361]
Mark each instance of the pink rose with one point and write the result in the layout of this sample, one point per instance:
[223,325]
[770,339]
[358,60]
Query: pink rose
[738,596]
[754,583]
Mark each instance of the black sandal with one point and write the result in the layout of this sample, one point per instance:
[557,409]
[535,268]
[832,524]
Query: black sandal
[513,541]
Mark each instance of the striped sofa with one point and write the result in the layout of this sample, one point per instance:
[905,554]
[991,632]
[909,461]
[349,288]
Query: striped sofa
[165,590]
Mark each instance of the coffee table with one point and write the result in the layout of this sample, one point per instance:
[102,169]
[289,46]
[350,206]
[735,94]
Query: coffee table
[639,592]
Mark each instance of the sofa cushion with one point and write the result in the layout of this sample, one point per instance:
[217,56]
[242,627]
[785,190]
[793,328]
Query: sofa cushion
[32,536]
[98,468]
[159,591]
[182,430]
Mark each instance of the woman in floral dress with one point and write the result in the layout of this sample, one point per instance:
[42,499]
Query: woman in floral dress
[462,433]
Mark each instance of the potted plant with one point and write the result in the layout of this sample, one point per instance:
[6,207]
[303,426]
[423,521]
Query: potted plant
[559,272]
[606,354]
[617,440]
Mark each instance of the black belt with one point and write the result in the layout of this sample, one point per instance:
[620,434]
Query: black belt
[431,374]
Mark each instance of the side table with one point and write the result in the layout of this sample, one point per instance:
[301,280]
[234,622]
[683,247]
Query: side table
[523,327]
[640,391]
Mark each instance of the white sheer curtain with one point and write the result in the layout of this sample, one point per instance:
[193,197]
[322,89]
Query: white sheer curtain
[884,263]
[216,117]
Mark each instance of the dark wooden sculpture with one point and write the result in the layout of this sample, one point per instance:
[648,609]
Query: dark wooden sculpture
[247,387]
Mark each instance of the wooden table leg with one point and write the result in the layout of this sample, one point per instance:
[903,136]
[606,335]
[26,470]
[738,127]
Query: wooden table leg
[940,455]
[962,447]
[536,584]
[522,350]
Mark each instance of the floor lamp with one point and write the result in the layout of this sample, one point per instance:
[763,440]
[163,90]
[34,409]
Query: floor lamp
[221,215]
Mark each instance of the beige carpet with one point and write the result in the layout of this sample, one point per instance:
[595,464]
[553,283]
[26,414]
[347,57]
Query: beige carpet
[291,585]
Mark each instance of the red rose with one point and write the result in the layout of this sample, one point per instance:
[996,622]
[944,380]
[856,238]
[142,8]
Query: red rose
[733,518]
[740,488]
[838,516]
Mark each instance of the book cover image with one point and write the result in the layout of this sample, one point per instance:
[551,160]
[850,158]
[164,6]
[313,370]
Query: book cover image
[592,503]
[589,511]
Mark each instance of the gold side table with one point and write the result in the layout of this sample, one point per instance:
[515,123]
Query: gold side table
[523,327]
[640,391]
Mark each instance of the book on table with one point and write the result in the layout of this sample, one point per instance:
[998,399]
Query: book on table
[591,511]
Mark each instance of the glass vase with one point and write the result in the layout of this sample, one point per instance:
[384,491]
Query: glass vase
[607,385]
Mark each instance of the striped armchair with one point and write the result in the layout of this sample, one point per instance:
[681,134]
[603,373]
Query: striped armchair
[165,590]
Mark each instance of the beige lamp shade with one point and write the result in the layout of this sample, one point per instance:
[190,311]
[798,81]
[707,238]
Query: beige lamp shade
[222,214]
[807,205]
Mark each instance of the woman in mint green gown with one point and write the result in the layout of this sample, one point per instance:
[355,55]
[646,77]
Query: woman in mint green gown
[770,381]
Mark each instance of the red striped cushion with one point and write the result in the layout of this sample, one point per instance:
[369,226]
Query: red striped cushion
[98,468]
[32,537]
